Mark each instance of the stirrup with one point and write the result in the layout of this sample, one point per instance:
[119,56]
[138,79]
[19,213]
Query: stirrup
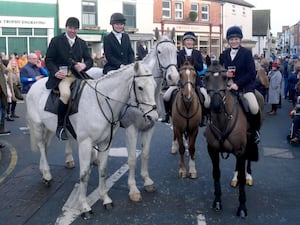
[61,134]
[256,137]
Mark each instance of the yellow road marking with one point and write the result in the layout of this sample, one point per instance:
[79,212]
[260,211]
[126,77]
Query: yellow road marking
[12,164]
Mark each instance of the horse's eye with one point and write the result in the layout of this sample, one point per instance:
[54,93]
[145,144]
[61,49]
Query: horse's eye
[158,51]
[140,88]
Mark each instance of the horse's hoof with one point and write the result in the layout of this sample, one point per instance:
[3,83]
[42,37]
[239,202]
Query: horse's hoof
[87,215]
[234,183]
[70,165]
[137,197]
[108,206]
[241,212]
[182,175]
[173,151]
[150,188]
[249,182]
[193,175]
[47,183]
[217,206]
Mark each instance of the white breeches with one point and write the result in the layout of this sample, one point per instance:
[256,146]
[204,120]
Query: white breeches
[252,102]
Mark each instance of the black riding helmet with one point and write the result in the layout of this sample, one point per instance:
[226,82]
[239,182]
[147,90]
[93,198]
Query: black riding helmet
[234,31]
[117,18]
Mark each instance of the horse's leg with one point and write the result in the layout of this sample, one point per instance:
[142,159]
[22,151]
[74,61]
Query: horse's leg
[102,158]
[182,169]
[249,179]
[215,159]
[242,210]
[131,140]
[69,156]
[234,181]
[84,148]
[175,146]
[43,137]
[192,167]
[146,140]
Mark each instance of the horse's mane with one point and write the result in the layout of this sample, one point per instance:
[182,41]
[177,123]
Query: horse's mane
[113,73]
[215,66]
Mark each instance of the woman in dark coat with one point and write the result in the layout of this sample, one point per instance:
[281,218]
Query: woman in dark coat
[117,45]
[243,78]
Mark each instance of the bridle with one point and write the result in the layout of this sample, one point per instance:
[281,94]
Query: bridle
[163,69]
[114,122]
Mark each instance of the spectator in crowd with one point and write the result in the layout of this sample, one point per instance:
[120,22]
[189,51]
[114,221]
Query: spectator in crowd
[67,59]
[285,64]
[295,115]
[292,81]
[3,99]
[31,72]
[275,79]
[22,60]
[142,49]
[117,45]
[13,78]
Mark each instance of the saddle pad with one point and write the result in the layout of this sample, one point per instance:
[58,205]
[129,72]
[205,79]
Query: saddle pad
[53,98]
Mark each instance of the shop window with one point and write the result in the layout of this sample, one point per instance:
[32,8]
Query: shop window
[40,32]
[25,31]
[9,31]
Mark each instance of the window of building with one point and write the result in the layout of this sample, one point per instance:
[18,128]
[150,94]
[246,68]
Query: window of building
[205,12]
[194,8]
[89,13]
[166,9]
[9,31]
[40,31]
[129,11]
[178,10]
[233,10]
[25,31]
[244,11]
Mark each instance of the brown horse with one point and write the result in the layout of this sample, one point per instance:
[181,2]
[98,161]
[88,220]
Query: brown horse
[226,133]
[186,118]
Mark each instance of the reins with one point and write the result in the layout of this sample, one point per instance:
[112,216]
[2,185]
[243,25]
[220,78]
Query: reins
[107,99]
[221,136]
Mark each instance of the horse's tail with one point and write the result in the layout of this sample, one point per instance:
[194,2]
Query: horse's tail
[33,142]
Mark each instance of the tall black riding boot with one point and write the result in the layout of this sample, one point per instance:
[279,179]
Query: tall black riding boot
[167,105]
[61,130]
[254,122]
[201,99]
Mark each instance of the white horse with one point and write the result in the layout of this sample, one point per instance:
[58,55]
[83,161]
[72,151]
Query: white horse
[162,59]
[99,112]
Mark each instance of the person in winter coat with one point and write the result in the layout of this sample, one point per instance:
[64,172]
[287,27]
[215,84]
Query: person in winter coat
[117,45]
[67,58]
[243,76]
[275,78]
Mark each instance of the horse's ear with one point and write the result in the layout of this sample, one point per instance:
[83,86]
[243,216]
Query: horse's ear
[136,66]
[156,33]
[172,33]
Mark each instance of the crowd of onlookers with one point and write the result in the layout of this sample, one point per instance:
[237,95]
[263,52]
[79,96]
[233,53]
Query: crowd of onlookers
[278,79]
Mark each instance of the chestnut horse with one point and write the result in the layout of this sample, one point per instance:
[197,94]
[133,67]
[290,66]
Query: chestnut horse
[186,118]
[226,132]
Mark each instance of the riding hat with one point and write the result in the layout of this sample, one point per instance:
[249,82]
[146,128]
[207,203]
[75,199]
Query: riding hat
[72,22]
[189,35]
[234,31]
[117,18]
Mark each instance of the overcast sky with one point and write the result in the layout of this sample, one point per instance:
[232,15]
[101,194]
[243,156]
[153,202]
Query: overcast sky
[282,12]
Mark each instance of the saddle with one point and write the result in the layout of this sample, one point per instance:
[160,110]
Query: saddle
[53,98]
